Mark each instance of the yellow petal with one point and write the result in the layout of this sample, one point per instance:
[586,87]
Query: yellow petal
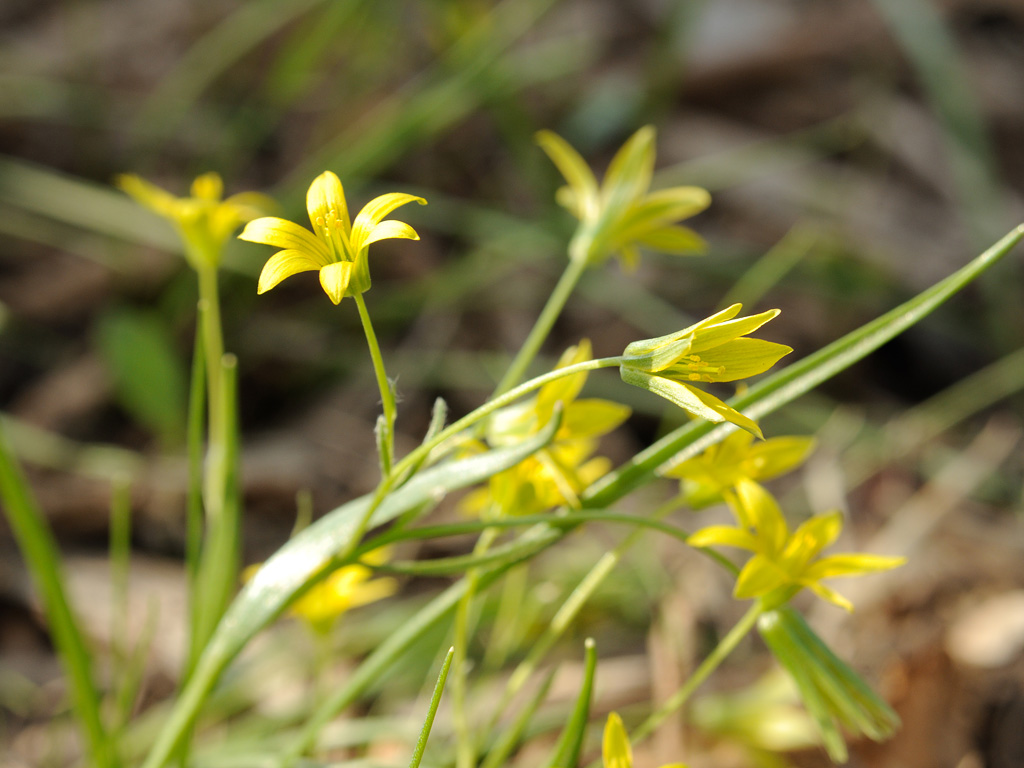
[826,593]
[629,173]
[836,566]
[777,456]
[575,171]
[759,577]
[734,360]
[285,264]
[149,195]
[725,411]
[723,536]
[287,235]
[208,186]
[676,240]
[592,418]
[720,332]
[812,537]
[615,749]
[762,513]
[324,198]
[387,230]
[374,211]
[334,279]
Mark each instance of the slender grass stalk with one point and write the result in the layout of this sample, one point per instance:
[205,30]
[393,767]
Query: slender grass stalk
[711,662]
[435,700]
[386,442]
[542,327]
[465,750]
[38,547]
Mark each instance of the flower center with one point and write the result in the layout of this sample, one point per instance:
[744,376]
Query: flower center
[700,370]
[332,232]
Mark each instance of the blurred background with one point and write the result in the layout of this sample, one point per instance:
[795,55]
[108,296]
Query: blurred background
[856,152]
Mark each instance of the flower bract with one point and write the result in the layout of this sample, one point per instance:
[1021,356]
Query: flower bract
[337,247]
[714,350]
[555,475]
[707,477]
[621,215]
[204,221]
[784,562]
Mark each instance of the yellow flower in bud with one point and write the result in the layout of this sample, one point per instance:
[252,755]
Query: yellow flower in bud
[558,473]
[715,349]
[621,215]
[204,221]
[707,477]
[343,589]
[337,247]
[785,562]
[615,749]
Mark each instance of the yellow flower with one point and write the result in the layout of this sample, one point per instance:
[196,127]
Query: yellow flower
[707,477]
[204,221]
[555,475]
[347,587]
[785,562]
[337,247]
[615,749]
[715,349]
[621,214]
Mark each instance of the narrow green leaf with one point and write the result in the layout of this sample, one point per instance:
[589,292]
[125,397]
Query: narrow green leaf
[567,751]
[305,557]
[435,700]
[38,547]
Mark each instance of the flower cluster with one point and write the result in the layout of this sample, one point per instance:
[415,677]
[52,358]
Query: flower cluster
[556,474]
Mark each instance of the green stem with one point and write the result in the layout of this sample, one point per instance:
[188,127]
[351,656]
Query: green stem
[539,333]
[416,457]
[387,396]
[710,664]
[465,751]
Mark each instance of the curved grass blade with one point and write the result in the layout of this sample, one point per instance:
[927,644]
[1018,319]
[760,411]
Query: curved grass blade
[567,751]
[38,547]
[303,559]
[435,700]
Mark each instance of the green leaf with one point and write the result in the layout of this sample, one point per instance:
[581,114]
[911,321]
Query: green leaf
[435,700]
[567,751]
[303,559]
[148,378]
[42,558]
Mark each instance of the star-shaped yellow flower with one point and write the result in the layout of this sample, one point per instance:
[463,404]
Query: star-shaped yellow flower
[204,221]
[785,562]
[555,475]
[707,477]
[715,349]
[621,215]
[337,247]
